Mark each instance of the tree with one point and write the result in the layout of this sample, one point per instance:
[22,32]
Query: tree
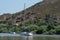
[49,27]
[39,31]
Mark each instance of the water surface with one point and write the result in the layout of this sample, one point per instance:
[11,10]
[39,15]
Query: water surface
[7,36]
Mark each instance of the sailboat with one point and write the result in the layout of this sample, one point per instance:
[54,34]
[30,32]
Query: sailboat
[26,32]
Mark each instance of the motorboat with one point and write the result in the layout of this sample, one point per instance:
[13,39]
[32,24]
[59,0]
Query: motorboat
[27,33]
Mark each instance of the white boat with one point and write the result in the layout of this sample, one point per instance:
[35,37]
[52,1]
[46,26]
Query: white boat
[27,33]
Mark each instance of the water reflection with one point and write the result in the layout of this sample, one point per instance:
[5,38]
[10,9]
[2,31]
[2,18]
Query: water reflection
[27,38]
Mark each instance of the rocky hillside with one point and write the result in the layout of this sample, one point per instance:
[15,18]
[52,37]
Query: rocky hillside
[37,11]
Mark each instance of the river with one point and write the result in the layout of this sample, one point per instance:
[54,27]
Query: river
[9,36]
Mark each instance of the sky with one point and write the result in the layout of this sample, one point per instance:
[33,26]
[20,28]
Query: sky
[13,6]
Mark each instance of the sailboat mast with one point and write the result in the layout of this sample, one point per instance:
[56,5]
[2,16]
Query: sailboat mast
[24,13]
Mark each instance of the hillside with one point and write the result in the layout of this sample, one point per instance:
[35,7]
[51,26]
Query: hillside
[37,11]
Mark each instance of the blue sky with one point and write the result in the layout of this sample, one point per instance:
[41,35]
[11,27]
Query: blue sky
[12,6]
